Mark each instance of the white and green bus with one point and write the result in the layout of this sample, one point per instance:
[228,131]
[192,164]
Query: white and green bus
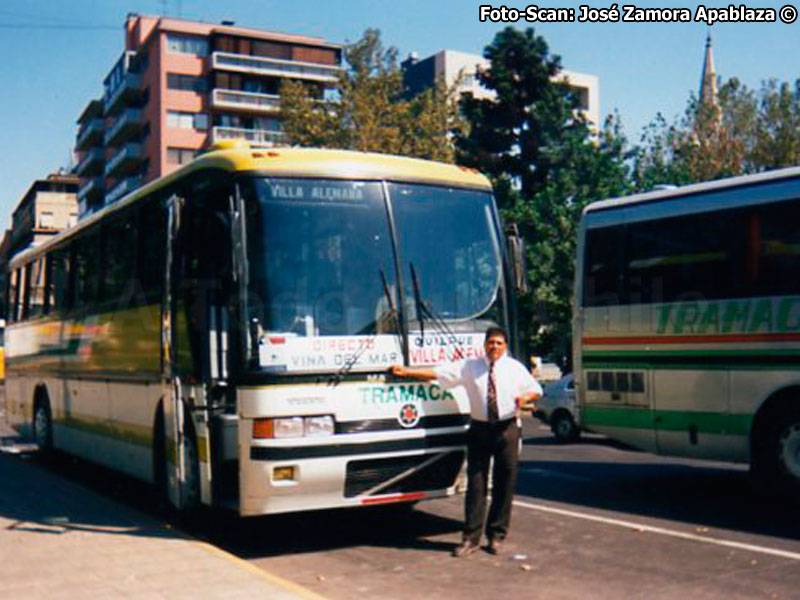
[225,332]
[687,321]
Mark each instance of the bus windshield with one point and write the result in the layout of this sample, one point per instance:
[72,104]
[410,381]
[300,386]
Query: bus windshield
[322,263]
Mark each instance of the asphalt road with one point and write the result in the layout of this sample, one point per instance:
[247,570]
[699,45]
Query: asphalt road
[591,519]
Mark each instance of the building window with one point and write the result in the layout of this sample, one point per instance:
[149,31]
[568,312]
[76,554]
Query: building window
[187,120]
[185,44]
[180,156]
[46,220]
[186,82]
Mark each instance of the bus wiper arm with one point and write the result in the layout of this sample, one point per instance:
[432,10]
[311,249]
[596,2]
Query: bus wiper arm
[353,360]
[438,322]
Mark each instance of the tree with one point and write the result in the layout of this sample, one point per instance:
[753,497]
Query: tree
[746,132]
[777,130]
[371,112]
[518,134]
[546,165]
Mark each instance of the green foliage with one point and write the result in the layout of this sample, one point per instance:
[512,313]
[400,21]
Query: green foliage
[546,166]
[746,132]
[371,113]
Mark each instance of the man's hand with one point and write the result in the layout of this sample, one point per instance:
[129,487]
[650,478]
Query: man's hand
[422,374]
[527,401]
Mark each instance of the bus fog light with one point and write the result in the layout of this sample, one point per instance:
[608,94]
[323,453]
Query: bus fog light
[319,426]
[283,474]
[289,427]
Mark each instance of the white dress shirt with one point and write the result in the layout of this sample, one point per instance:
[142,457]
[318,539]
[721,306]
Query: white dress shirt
[512,379]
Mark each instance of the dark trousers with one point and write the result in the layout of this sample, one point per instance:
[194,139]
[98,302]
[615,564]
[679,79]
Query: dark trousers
[484,442]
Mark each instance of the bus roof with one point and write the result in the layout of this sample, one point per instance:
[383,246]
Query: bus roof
[237,156]
[694,189]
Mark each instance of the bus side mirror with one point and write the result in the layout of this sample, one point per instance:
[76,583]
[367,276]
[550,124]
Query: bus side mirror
[517,256]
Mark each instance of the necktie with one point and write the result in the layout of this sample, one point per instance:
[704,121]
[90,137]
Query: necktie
[491,396]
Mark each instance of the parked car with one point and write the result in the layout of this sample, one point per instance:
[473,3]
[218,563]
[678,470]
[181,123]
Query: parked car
[557,408]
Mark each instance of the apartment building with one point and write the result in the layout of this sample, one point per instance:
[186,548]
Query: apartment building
[48,207]
[180,86]
[449,65]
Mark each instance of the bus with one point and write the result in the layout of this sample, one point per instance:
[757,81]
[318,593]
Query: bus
[686,324]
[225,332]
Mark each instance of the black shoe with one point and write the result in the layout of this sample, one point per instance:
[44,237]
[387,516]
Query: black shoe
[495,546]
[465,548]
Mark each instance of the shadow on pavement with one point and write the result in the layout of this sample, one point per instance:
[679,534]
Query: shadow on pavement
[53,498]
[63,494]
[709,496]
[398,526]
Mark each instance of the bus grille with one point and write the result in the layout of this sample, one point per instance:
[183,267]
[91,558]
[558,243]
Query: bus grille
[363,475]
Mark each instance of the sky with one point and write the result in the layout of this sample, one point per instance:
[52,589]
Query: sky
[55,54]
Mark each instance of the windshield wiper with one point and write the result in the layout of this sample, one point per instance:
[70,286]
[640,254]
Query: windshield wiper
[353,360]
[438,322]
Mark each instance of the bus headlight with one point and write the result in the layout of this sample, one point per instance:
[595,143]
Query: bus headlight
[288,427]
[318,426]
[293,427]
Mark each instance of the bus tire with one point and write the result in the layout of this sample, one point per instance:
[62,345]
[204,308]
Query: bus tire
[780,460]
[191,491]
[160,458]
[43,423]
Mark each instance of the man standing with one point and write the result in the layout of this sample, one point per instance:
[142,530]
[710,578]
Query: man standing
[497,387]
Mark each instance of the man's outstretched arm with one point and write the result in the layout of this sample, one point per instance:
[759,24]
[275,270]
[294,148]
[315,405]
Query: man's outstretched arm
[412,373]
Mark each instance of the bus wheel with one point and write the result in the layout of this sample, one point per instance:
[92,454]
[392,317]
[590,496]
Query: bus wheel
[191,495]
[783,450]
[160,460]
[789,448]
[43,427]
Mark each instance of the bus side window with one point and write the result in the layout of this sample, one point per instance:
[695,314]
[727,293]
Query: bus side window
[86,276]
[603,283]
[36,288]
[13,295]
[59,273]
[120,271]
[779,249]
[152,247]
[26,293]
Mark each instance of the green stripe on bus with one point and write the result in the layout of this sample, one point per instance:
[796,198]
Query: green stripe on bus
[666,420]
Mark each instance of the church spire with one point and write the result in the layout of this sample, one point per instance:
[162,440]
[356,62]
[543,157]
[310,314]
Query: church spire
[708,82]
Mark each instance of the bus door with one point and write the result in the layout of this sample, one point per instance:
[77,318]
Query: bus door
[200,323]
[181,458]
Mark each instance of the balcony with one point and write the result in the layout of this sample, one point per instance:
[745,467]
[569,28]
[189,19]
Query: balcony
[124,187]
[91,134]
[249,101]
[124,162]
[275,67]
[127,124]
[129,89]
[256,137]
[91,191]
[91,163]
